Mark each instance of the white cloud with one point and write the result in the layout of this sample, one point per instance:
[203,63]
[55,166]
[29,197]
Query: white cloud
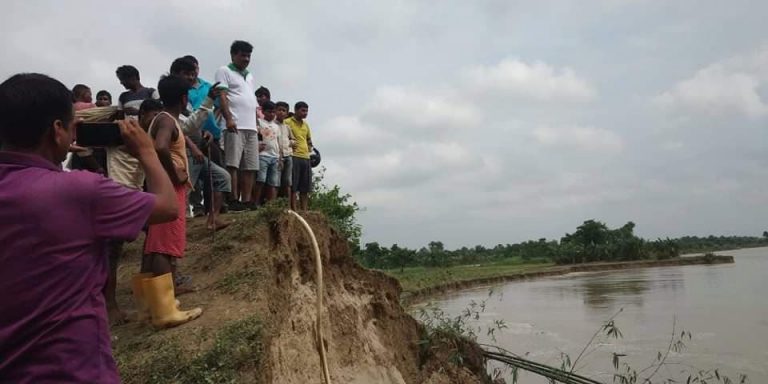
[579,138]
[415,112]
[730,87]
[537,81]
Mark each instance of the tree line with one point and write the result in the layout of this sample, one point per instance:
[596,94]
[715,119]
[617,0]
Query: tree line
[592,241]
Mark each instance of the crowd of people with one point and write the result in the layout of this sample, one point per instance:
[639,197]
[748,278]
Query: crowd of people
[218,147]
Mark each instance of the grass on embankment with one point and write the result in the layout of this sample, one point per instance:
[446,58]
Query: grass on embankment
[417,278]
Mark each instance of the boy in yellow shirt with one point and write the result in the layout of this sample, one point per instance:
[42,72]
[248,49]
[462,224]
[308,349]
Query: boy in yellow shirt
[302,169]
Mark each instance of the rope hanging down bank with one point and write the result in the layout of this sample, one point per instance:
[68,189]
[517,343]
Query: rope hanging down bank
[319,303]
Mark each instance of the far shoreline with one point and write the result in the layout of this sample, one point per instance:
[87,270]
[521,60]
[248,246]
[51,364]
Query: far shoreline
[423,294]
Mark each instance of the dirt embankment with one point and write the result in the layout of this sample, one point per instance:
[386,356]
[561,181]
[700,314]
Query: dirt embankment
[256,284]
[423,294]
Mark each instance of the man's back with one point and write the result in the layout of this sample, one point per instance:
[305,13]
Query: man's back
[53,324]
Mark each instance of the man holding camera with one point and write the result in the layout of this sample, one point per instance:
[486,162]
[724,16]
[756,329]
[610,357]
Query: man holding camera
[57,225]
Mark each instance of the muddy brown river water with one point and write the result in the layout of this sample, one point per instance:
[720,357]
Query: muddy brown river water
[725,307]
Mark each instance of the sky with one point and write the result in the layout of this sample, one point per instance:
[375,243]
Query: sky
[473,122]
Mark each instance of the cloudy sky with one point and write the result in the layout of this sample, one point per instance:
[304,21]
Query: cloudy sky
[474,122]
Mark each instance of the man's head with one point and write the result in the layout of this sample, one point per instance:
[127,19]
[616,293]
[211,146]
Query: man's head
[103,99]
[240,51]
[173,91]
[148,110]
[81,93]
[268,108]
[281,110]
[262,95]
[36,115]
[300,110]
[129,77]
[186,69]
[197,64]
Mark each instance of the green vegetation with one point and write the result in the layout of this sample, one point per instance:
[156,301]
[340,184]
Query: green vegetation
[694,244]
[592,241]
[338,207]
[416,278]
[235,349]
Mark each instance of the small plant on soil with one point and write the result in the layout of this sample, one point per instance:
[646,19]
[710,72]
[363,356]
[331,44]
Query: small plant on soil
[236,348]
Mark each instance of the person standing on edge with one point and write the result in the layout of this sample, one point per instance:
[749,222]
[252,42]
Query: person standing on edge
[262,95]
[103,99]
[302,169]
[238,106]
[198,139]
[53,322]
[270,159]
[125,170]
[196,97]
[286,146]
[81,95]
[165,242]
[130,100]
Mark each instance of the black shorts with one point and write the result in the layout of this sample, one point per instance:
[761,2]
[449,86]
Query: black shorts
[302,175]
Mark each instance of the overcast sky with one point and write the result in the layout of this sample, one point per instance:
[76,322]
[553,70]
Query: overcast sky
[473,122]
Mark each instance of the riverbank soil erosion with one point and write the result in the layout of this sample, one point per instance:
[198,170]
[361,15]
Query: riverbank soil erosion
[256,285]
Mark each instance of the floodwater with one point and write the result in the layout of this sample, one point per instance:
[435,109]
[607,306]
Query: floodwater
[725,307]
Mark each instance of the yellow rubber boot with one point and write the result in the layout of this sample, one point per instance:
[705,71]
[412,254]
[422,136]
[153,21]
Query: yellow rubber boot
[158,291]
[142,308]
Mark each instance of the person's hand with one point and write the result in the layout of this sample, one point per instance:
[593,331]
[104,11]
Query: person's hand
[262,146]
[294,144]
[207,138]
[231,125]
[214,92]
[197,154]
[137,142]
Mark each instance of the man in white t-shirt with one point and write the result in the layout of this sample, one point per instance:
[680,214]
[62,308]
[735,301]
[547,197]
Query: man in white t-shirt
[238,107]
[271,157]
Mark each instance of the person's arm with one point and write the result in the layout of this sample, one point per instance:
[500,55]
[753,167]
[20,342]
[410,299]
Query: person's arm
[140,145]
[221,78]
[309,139]
[163,136]
[194,123]
[197,154]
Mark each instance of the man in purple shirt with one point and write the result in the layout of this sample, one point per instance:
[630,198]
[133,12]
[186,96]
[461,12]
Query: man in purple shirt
[54,227]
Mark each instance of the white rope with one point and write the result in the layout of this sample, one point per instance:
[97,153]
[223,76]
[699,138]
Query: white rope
[319,303]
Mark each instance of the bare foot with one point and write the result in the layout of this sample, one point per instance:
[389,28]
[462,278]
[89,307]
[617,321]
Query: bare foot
[220,224]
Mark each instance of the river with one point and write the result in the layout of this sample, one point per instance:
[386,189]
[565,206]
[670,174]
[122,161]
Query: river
[725,307]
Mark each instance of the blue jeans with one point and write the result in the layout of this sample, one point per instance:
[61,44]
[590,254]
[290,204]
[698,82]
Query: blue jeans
[268,173]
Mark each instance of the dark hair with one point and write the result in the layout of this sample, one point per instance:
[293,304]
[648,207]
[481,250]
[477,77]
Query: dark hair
[282,104]
[268,106]
[29,104]
[172,90]
[263,91]
[126,72]
[240,46]
[150,105]
[103,93]
[300,105]
[78,91]
[182,64]
[192,59]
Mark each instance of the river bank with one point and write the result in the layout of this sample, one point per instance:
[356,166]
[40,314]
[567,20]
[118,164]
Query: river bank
[435,281]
